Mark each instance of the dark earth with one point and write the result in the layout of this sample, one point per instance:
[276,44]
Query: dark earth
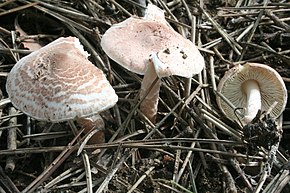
[131,154]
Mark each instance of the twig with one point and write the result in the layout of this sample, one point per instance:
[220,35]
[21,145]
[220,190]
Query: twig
[11,141]
[18,8]
[141,179]
[111,174]
[52,167]
[7,182]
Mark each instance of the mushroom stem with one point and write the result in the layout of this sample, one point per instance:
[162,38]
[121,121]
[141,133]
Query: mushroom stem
[94,122]
[150,103]
[254,104]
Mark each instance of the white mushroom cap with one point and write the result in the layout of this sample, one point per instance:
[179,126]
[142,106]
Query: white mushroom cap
[58,83]
[131,42]
[271,86]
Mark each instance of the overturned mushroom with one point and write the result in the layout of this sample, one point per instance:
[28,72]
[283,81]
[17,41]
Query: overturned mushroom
[254,87]
[150,47]
[58,83]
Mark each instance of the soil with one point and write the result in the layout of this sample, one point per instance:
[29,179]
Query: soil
[192,146]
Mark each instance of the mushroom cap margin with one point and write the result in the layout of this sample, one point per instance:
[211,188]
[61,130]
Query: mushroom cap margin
[58,83]
[131,42]
[271,84]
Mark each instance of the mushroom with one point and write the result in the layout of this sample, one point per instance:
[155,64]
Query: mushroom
[58,83]
[96,123]
[149,46]
[254,87]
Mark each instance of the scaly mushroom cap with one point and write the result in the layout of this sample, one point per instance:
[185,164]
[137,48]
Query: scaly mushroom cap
[271,86]
[58,83]
[131,42]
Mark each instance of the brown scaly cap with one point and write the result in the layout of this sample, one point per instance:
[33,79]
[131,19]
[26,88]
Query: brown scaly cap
[58,83]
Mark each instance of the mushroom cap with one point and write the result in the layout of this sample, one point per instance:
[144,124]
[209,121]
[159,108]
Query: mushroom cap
[271,85]
[58,83]
[131,42]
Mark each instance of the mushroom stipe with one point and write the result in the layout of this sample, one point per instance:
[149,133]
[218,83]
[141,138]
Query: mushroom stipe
[150,47]
[254,87]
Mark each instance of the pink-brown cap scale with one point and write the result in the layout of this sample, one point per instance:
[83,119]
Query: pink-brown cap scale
[131,43]
[58,83]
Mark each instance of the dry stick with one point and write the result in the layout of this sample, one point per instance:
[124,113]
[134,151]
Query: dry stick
[190,98]
[278,182]
[138,3]
[228,176]
[5,31]
[187,84]
[66,174]
[277,54]
[158,125]
[2,4]
[46,135]
[277,21]
[19,8]
[141,179]
[241,173]
[167,186]
[13,37]
[120,7]
[192,19]
[3,104]
[89,184]
[212,73]
[180,187]
[53,166]
[7,182]
[192,174]
[176,164]
[11,141]
[177,116]
[222,126]
[212,43]
[86,139]
[246,31]
[235,46]
[187,158]
[209,108]
[128,118]
[186,105]
[132,145]
[91,7]
[95,183]
[74,14]
[71,24]
[264,57]
[111,174]
[13,51]
[8,48]
[256,24]
[128,144]
[85,159]
[29,43]
[62,18]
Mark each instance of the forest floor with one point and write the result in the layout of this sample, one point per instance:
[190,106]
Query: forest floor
[192,146]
